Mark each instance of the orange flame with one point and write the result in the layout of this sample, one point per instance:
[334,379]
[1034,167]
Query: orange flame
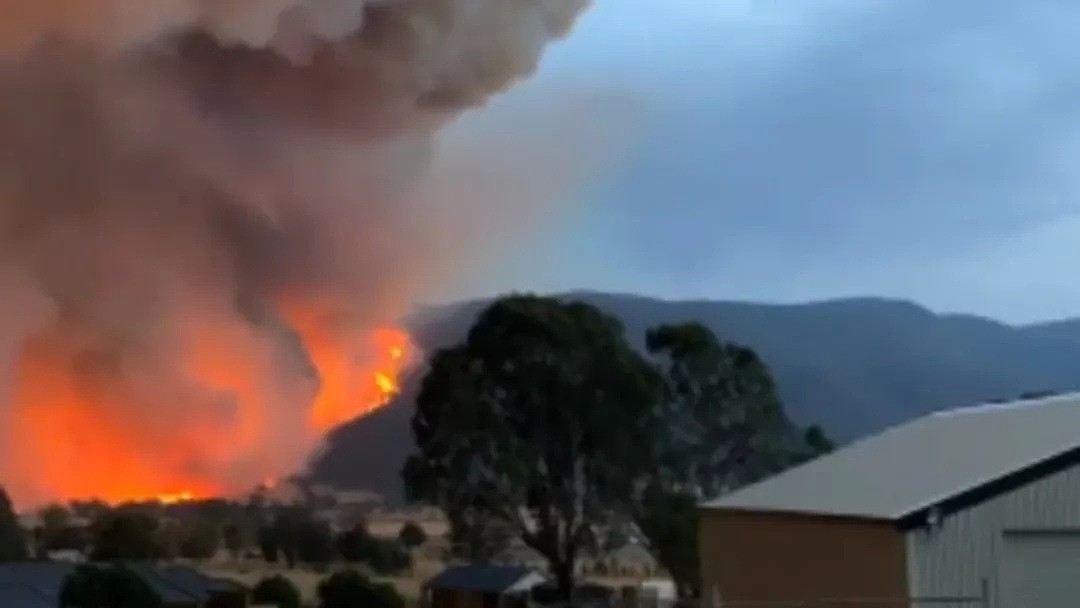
[177,498]
[71,433]
[351,388]
[357,376]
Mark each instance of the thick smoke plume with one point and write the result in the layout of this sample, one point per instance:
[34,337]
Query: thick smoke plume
[209,224]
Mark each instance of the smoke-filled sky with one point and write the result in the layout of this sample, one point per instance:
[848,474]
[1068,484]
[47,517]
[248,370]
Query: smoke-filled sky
[213,213]
[791,150]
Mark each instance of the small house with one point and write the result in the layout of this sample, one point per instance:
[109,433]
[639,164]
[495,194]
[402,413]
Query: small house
[481,586]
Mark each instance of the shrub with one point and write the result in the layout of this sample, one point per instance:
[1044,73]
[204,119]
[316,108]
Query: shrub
[277,591]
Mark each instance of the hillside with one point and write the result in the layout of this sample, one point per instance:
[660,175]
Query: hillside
[854,366]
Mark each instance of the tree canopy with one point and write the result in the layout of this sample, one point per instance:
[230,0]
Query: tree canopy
[722,419]
[546,422]
[276,591]
[536,420]
[233,539]
[412,535]
[269,544]
[201,540]
[721,425]
[120,535]
[355,545]
[382,556]
[350,589]
[13,541]
[314,543]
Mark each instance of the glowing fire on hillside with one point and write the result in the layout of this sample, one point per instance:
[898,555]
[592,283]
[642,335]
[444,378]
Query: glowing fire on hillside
[213,214]
[177,498]
[89,441]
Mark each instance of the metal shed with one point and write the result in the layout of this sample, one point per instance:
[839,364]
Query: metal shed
[973,507]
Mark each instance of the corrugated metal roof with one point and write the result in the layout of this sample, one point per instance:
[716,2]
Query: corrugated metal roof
[479,577]
[175,584]
[13,595]
[167,589]
[922,463]
[196,583]
[32,584]
[43,578]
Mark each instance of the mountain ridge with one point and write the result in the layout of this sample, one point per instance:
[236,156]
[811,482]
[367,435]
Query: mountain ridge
[853,365]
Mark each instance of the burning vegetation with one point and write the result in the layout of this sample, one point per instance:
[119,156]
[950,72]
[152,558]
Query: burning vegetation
[210,224]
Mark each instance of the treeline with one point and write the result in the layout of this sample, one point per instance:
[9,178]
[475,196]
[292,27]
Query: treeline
[117,585]
[287,535]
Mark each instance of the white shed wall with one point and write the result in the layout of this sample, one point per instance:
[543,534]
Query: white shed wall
[955,559]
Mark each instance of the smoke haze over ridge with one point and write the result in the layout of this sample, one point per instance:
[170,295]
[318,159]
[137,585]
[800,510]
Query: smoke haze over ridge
[212,213]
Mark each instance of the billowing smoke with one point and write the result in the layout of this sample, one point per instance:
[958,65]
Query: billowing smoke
[209,223]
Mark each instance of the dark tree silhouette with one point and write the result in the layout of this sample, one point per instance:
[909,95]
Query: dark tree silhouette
[269,544]
[234,540]
[351,589]
[276,591]
[412,535]
[129,535]
[720,425]
[13,539]
[536,420]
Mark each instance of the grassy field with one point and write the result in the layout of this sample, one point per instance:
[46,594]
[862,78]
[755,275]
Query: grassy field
[307,580]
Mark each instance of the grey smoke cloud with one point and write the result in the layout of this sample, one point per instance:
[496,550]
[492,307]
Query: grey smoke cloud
[199,198]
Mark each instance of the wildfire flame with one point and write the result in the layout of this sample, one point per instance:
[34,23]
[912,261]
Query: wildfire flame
[172,499]
[213,212]
[83,442]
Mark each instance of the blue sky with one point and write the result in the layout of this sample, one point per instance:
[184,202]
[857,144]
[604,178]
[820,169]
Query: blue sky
[786,150]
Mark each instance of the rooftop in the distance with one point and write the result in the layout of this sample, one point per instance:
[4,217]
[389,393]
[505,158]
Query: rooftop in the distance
[38,584]
[485,578]
[922,463]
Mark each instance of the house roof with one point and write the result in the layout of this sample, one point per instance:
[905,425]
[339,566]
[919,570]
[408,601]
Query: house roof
[520,554]
[33,584]
[945,460]
[480,577]
[41,578]
[632,553]
[20,596]
[196,583]
[165,585]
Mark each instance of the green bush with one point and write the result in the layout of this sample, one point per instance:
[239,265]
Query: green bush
[412,535]
[277,591]
[352,589]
